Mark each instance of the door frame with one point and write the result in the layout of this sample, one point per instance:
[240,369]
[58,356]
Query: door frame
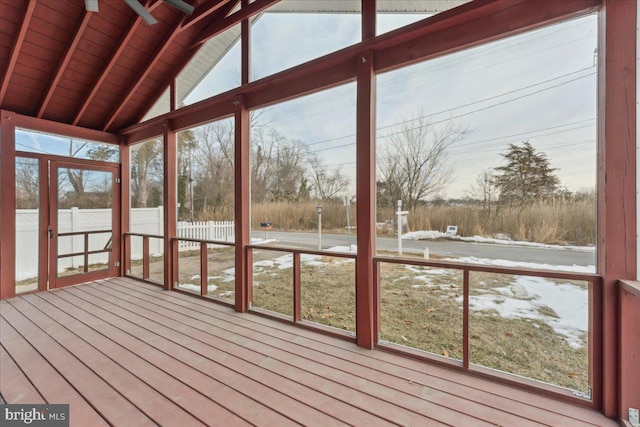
[47,247]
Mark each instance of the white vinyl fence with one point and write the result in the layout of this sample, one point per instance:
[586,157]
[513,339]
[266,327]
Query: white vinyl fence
[143,221]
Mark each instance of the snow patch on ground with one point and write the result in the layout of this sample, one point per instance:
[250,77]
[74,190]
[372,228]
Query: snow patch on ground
[519,264]
[501,240]
[564,306]
[196,288]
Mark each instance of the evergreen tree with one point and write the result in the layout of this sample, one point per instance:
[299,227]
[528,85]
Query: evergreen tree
[526,177]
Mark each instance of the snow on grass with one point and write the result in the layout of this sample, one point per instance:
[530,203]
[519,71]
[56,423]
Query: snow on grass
[286,261]
[564,306]
[196,288]
[520,264]
[502,240]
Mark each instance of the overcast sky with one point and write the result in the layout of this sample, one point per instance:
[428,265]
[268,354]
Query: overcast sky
[539,86]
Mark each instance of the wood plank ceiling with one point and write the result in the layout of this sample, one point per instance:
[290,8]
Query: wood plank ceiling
[100,70]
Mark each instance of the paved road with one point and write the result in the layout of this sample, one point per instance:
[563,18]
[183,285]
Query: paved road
[442,247]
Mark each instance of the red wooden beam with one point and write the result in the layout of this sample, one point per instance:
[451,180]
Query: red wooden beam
[204,270]
[8,207]
[339,67]
[43,220]
[242,208]
[125,206]
[146,69]
[366,196]
[616,177]
[368,16]
[245,41]
[629,302]
[16,49]
[465,319]
[106,69]
[170,202]
[49,126]
[297,300]
[203,11]
[62,66]
[244,13]
[443,37]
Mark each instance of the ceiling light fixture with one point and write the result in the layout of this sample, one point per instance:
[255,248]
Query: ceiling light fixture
[92,6]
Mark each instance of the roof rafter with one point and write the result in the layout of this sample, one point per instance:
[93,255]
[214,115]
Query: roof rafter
[152,60]
[219,26]
[62,66]
[221,14]
[203,11]
[15,50]
[122,44]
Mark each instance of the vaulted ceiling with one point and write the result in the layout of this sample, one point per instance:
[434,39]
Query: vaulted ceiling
[101,70]
[105,70]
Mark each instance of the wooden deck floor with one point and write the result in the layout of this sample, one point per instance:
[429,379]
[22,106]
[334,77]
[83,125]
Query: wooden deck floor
[126,353]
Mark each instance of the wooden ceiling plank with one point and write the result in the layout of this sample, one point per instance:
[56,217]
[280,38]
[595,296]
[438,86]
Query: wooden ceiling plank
[15,50]
[117,52]
[62,66]
[153,59]
[219,26]
[202,11]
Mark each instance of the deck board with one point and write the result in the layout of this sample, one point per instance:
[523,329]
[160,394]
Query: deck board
[121,350]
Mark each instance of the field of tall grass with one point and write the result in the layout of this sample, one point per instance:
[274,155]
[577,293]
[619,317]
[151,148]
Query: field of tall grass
[553,223]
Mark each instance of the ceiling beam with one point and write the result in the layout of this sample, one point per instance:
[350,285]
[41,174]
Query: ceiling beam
[117,52]
[62,66]
[171,33]
[220,25]
[203,11]
[16,48]
[221,13]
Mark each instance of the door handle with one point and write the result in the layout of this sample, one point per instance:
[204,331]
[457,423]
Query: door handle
[50,233]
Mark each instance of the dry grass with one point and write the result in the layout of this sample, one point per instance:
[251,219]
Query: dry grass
[553,223]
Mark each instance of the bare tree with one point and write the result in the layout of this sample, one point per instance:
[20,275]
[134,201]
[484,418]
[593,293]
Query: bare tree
[485,189]
[214,166]
[414,162]
[327,183]
[146,170]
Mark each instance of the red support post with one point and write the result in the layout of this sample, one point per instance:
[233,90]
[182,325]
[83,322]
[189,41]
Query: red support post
[366,196]
[616,178]
[8,208]
[204,270]
[170,203]
[125,206]
[242,201]
[245,41]
[368,15]
[297,302]
[145,257]
[465,319]
[43,232]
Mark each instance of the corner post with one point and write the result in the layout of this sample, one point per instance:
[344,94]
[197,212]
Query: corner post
[242,199]
[170,202]
[366,196]
[8,207]
[616,179]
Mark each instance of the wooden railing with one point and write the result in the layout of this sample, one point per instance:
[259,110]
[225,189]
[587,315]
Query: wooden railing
[204,262]
[593,398]
[86,252]
[594,328]
[297,300]
[629,321]
[146,271]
